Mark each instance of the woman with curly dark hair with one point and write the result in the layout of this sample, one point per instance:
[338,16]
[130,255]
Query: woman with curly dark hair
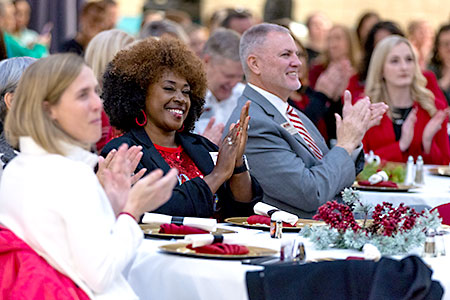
[154,93]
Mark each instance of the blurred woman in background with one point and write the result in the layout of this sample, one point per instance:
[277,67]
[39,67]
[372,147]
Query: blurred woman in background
[440,62]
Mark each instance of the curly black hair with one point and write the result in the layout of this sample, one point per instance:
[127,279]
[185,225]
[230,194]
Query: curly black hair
[129,75]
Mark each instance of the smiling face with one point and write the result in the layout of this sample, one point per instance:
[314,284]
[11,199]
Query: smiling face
[223,74]
[399,66]
[78,112]
[167,104]
[278,64]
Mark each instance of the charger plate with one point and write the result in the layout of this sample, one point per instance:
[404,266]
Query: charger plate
[181,249]
[400,188]
[242,221]
[441,171]
[152,230]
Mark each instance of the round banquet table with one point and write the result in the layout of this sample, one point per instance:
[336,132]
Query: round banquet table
[434,192]
[157,275]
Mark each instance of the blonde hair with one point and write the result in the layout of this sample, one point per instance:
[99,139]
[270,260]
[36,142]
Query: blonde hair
[102,49]
[42,85]
[376,85]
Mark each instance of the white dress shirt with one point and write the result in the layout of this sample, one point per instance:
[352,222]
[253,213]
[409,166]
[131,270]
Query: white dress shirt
[219,109]
[282,106]
[57,206]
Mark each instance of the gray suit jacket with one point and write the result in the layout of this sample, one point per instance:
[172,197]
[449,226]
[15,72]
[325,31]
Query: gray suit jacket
[292,178]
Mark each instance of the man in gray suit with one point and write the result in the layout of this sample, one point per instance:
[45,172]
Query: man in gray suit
[292,162]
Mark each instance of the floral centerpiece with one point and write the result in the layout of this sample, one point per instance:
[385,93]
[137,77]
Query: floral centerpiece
[393,230]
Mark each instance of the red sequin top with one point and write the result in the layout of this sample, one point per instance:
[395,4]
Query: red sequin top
[178,158]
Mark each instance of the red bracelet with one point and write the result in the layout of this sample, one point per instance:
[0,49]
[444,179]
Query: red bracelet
[127,213]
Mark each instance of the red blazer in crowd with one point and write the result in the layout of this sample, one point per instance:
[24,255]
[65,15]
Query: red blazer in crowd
[381,138]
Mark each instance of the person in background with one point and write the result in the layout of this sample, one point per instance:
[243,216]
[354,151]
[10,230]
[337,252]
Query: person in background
[379,31]
[318,25]
[100,51]
[421,35]
[415,122]
[25,36]
[112,13]
[285,151]
[154,93]
[10,72]
[365,24]
[164,28]
[83,229]
[224,74]
[440,61]
[93,20]
[238,20]
[318,103]
[198,35]
[13,48]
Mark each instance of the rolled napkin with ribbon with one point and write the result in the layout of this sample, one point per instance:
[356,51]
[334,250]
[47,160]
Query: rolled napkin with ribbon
[220,248]
[180,229]
[199,240]
[201,223]
[267,210]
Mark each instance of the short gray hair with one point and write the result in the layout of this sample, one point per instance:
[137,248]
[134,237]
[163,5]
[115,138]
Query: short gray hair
[223,43]
[10,72]
[255,37]
[160,27]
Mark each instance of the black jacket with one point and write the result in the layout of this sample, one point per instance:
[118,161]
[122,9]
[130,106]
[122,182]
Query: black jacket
[192,198]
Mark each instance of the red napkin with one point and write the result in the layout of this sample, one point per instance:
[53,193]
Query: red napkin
[380,184]
[220,248]
[179,229]
[258,219]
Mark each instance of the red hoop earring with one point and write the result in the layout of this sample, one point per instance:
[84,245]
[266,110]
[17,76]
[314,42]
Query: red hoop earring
[181,129]
[145,119]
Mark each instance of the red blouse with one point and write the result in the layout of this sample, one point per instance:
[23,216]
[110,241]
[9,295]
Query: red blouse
[179,159]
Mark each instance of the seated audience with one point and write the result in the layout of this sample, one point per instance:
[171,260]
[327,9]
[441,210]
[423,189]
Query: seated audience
[86,232]
[286,152]
[154,93]
[224,73]
[198,35]
[440,62]
[93,20]
[99,53]
[10,71]
[415,123]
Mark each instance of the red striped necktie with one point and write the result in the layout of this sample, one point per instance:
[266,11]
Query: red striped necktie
[298,124]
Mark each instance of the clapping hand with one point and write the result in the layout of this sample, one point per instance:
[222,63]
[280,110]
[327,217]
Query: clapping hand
[350,129]
[213,132]
[432,127]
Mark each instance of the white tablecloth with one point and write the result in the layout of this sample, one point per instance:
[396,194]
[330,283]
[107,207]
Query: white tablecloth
[155,275]
[436,191]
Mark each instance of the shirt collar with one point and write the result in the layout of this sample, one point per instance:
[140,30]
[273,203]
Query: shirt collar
[76,153]
[276,101]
